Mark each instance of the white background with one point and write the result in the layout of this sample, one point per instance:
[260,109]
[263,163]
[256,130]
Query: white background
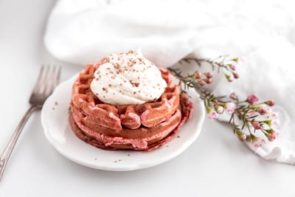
[215,165]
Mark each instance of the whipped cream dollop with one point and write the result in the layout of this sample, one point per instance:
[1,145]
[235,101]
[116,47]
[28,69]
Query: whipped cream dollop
[127,78]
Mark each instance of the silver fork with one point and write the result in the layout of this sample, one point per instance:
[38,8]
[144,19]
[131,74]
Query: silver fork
[47,80]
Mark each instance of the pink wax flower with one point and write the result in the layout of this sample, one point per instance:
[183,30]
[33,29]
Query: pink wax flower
[258,143]
[252,99]
[230,107]
[213,115]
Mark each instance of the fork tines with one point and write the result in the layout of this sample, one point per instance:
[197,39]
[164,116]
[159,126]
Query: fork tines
[47,80]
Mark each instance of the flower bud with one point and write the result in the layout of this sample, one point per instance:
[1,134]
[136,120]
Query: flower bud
[219,109]
[240,134]
[208,80]
[236,75]
[272,135]
[256,125]
[232,67]
[242,137]
[229,78]
[261,111]
[233,96]
[208,75]
[197,75]
[270,103]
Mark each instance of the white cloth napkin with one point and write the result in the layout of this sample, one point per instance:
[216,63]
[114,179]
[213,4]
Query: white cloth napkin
[261,32]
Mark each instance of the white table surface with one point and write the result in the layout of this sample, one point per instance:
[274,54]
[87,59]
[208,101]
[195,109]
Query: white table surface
[216,164]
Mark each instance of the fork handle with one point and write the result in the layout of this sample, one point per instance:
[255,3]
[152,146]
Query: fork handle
[5,155]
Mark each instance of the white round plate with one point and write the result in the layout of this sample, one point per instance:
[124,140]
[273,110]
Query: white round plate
[57,130]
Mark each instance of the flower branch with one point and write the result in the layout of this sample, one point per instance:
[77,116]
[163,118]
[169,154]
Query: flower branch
[251,120]
[225,63]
